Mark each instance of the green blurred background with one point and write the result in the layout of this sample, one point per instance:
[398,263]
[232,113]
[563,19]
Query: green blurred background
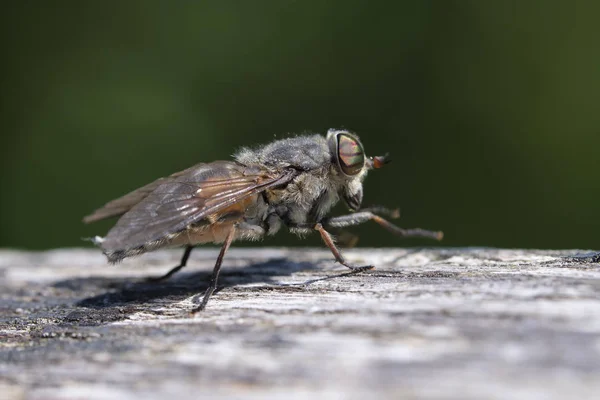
[489,108]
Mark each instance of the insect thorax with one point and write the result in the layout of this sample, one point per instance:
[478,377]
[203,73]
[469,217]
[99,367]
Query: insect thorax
[310,195]
[305,200]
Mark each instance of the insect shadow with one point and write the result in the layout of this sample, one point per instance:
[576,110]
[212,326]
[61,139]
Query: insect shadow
[128,292]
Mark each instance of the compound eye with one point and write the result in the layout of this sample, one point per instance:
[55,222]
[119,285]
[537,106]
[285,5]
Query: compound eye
[350,154]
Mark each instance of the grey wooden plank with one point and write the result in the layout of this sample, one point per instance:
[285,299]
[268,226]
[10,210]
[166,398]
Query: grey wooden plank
[426,323]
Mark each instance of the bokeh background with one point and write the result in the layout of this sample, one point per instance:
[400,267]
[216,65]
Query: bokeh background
[490,109]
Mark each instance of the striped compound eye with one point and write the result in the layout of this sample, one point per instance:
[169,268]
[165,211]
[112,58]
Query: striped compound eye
[350,154]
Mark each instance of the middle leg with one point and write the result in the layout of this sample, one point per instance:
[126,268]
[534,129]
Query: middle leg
[336,252]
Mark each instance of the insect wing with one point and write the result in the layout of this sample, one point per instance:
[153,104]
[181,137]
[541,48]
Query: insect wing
[188,199]
[123,204]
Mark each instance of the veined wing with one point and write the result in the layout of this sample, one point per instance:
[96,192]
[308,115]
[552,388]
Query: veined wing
[187,199]
[123,204]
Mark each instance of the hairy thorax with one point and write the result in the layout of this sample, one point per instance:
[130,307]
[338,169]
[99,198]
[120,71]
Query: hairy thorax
[305,200]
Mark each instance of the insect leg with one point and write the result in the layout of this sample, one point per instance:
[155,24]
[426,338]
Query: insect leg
[212,286]
[381,210]
[347,239]
[182,263]
[364,216]
[336,252]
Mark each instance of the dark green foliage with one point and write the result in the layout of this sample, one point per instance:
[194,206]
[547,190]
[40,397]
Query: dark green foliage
[489,109]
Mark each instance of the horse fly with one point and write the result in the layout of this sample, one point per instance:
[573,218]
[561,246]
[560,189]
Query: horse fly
[292,182]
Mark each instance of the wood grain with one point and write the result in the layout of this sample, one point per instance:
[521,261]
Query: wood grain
[463,323]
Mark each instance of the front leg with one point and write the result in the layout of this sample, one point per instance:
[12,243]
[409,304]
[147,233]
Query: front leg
[364,216]
[369,214]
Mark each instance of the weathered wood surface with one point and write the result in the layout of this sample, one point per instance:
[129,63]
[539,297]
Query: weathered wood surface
[427,323]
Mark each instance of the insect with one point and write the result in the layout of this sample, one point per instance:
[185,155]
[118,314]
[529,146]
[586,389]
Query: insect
[292,182]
